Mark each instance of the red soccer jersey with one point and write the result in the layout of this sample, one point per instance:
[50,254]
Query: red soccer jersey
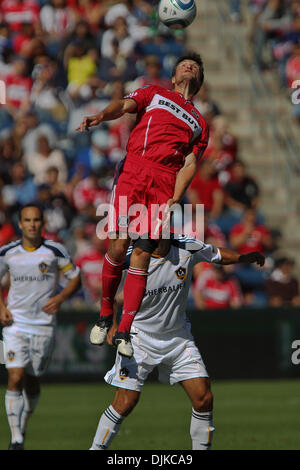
[16,13]
[205,189]
[255,241]
[17,89]
[218,294]
[168,128]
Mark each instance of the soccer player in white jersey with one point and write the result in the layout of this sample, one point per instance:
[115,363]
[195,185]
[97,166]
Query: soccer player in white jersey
[161,338]
[34,266]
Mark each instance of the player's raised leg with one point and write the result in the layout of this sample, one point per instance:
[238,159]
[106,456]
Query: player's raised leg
[111,419]
[14,404]
[201,428]
[111,277]
[134,290]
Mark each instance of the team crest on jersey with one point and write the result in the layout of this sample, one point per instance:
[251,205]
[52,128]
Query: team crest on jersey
[123,221]
[43,267]
[123,373]
[11,355]
[181,273]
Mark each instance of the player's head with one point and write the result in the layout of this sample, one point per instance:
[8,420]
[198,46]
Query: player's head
[31,222]
[189,66]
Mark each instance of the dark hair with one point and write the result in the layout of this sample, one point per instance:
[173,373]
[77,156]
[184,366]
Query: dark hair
[31,205]
[196,58]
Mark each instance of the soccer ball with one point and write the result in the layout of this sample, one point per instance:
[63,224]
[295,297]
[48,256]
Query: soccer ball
[177,14]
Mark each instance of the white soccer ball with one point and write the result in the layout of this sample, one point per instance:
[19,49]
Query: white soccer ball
[177,14]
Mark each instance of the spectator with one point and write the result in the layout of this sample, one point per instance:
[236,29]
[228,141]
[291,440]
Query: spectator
[91,12]
[45,95]
[118,31]
[16,12]
[222,145]
[45,157]
[241,191]
[206,189]
[282,287]
[216,290]
[248,235]
[57,21]
[21,189]
[95,157]
[152,75]
[18,88]
[117,66]
[91,263]
[8,156]
[81,66]
[207,107]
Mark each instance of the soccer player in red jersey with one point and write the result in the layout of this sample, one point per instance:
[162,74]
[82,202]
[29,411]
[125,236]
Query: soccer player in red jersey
[169,137]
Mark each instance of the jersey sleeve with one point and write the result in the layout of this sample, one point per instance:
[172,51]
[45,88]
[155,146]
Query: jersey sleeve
[3,265]
[201,142]
[66,265]
[207,253]
[200,251]
[142,96]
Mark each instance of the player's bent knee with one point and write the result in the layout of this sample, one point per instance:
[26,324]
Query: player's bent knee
[118,248]
[203,401]
[15,379]
[125,401]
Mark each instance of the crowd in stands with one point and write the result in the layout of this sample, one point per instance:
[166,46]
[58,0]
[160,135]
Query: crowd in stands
[62,60]
[275,39]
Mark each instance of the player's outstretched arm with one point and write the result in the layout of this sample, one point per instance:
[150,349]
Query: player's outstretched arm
[114,110]
[53,304]
[232,257]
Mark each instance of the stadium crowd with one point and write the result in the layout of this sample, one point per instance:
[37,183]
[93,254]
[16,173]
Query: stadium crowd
[62,60]
[275,38]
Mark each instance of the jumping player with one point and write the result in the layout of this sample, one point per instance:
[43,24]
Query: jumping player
[162,339]
[34,266]
[168,139]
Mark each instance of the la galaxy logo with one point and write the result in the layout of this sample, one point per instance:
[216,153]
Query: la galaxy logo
[123,373]
[43,267]
[11,355]
[181,273]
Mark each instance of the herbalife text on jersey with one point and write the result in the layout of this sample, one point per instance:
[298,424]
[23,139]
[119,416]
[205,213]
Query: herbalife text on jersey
[156,221]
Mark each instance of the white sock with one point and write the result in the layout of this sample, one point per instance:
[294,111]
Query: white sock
[14,404]
[30,404]
[201,430]
[108,427]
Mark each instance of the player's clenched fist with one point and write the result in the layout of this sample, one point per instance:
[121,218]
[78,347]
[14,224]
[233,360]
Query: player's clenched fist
[5,316]
[253,257]
[87,122]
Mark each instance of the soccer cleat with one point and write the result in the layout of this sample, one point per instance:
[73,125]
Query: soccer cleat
[16,446]
[99,331]
[123,343]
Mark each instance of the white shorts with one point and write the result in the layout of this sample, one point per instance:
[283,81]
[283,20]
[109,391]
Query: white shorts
[176,357]
[28,351]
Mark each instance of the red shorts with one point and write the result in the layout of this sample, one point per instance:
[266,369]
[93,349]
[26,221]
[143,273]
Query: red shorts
[140,188]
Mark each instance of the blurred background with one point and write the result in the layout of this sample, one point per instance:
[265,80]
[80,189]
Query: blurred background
[64,59]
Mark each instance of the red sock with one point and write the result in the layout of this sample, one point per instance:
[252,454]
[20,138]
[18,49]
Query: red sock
[134,290]
[111,278]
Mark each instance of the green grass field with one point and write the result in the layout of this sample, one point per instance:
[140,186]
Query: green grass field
[248,415]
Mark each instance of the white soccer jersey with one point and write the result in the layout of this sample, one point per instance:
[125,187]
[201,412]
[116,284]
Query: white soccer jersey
[164,304]
[34,278]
